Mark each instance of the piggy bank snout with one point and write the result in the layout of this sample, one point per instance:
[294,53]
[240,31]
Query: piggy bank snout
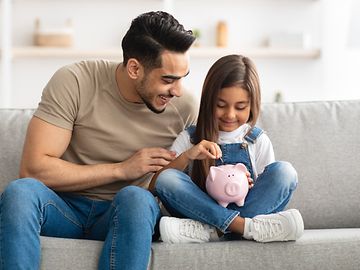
[232,189]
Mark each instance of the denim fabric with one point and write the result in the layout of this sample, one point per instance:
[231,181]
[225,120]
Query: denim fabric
[270,194]
[29,209]
[232,153]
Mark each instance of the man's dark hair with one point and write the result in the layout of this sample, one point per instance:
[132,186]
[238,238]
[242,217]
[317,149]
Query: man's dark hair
[150,34]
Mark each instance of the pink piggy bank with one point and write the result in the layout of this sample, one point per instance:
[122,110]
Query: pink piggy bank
[227,184]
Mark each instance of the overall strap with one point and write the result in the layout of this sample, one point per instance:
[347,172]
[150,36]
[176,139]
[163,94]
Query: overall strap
[253,134]
[191,131]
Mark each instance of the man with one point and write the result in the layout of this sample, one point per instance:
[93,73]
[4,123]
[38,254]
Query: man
[99,133]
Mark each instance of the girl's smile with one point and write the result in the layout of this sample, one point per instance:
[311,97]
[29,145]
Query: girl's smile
[232,108]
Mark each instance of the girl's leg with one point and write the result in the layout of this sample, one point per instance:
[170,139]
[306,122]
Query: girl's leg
[270,194]
[264,220]
[271,191]
[182,198]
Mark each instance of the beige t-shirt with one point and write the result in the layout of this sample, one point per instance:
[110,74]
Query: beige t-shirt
[83,97]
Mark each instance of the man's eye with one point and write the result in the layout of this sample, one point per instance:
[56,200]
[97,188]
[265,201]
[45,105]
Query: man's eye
[167,81]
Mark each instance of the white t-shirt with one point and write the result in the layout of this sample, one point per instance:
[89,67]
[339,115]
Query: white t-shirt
[261,152]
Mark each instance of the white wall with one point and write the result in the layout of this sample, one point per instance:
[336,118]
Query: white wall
[340,61]
[99,24]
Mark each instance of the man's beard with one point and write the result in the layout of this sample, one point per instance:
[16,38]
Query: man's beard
[146,99]
[150,106]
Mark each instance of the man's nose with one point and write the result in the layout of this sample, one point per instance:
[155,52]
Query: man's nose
[176,89]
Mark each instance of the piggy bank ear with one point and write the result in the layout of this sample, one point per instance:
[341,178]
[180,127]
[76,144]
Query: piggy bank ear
[213,171]
[241,167]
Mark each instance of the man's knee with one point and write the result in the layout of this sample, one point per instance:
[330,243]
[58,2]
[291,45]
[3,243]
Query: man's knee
[22,189]
[20,200]
[131,196]
[136,204]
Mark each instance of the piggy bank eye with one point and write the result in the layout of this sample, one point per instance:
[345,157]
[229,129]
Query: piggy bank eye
[233,175]
[228,175]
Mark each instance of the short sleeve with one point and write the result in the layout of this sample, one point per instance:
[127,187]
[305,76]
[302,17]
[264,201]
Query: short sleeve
[181,143]
[264,153]
[60,99]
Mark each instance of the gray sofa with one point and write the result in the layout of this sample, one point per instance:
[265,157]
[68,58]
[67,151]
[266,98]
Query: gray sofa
[321,140]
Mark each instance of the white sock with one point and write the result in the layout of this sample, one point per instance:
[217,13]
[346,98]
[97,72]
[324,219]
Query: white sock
[247,229]
[214,235]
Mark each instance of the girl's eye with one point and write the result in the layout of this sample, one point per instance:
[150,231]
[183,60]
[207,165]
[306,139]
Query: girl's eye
[221,105]
[241,107]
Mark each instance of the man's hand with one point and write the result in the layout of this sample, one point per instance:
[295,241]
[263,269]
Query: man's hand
[144,161]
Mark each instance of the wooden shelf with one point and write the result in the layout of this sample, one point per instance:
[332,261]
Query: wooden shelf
[59,52]
[265,52]
[196,52]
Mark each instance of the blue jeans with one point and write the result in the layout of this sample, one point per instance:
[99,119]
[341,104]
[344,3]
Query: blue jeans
[29,209]
[270,194]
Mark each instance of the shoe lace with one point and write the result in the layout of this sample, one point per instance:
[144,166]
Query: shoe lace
[267,229]
[195,229]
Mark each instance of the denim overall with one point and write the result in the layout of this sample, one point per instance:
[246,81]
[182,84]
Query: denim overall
[234,153]
[270,194]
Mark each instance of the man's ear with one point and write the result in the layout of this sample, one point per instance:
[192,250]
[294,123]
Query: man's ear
[134,68]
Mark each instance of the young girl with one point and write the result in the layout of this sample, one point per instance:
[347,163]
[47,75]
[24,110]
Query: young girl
[226,134]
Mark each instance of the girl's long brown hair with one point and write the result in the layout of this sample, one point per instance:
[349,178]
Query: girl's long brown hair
[228,71]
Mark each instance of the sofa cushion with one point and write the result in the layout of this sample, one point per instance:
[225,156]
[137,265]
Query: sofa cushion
[322,140]
[316,249]
[62,253]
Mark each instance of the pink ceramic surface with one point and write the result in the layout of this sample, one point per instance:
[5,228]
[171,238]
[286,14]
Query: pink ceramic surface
[227,184]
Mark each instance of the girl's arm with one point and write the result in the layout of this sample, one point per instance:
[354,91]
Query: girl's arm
[264,153]
[202,150]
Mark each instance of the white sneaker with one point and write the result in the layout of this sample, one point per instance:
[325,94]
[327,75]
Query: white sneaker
[283,226]
[177,230]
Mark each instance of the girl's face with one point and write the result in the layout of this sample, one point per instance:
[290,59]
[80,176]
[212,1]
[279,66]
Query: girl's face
[232,108]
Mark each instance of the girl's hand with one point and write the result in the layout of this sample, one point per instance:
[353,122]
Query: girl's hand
[204,150]
[250,180]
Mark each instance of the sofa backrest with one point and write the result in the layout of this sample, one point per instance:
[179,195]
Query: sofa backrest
[322,141]
[13,125]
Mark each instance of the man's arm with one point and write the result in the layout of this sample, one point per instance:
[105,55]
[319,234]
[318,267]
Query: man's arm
[45,144]
[180,163]
[203,150]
